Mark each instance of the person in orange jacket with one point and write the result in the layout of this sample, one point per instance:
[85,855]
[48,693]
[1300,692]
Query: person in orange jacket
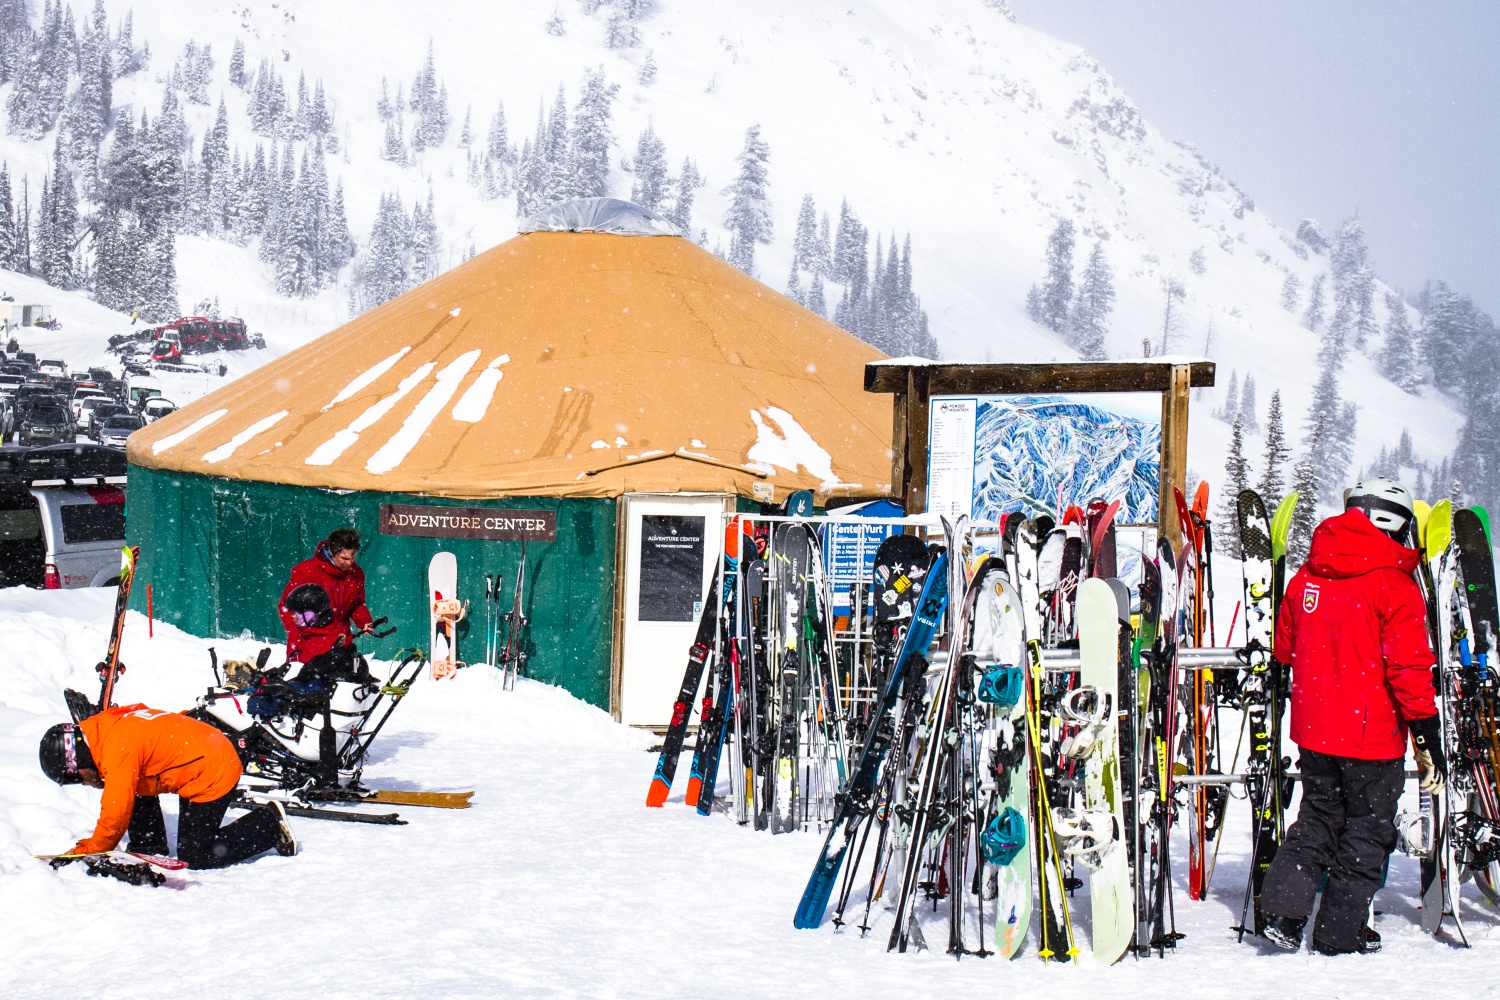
[137,753]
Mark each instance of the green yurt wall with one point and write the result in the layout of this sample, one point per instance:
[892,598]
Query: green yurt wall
[216,553]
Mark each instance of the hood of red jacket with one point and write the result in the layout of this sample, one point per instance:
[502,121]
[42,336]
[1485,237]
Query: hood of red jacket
[1350,545]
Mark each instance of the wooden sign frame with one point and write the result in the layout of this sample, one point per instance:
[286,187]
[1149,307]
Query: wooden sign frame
[914,381]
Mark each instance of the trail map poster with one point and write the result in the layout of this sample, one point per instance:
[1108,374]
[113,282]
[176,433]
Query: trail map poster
[990,455]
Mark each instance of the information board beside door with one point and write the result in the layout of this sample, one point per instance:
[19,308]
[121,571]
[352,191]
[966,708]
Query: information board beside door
[671,546]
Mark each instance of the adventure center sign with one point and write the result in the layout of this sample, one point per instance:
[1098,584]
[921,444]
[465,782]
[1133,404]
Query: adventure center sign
[485,523]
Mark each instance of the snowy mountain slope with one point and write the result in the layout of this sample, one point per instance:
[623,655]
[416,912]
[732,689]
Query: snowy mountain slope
[944,119]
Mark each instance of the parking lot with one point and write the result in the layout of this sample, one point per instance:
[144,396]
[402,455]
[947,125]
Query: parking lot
[44,401]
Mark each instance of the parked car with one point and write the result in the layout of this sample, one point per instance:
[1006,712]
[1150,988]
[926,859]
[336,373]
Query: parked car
[54,537]
[81,394]
[7,416]
[46,425]
[101,413]
[27,356]
[102,375]
[30,397]
[51,366]
[10,383]
[116,428]
[156,407]
[86,407]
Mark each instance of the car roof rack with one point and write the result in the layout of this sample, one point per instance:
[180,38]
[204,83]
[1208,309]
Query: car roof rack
[62,464]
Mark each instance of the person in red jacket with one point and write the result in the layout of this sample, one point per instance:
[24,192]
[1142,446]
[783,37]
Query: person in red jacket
[137,753]
[332,567]
[1352,626]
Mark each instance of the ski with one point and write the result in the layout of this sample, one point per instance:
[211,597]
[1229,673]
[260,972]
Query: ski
[855,805]
[110,669]
[682,708]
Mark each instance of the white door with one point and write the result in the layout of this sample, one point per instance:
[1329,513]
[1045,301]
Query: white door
[672,544]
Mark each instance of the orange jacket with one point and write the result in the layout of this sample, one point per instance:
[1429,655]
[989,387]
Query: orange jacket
[144,751]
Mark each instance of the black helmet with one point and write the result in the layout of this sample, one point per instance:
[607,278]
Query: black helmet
[310,606]
[63,752]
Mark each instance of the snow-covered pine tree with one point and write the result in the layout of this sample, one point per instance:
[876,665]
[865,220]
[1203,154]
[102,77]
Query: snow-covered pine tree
[748,217]
[465,137]
[823,262]
[1272,479]
[237,64]
[1171,320]
[681,213]
[1476,461]
[589,142]
[9,236]
[1450,328]
[393,148]
[849,242]
[1353,281]
[649,189]
[1048,300]
[338,244]
[1308,484]
[1313,317]
[156,277]
[1247,404]
[1291,290]
[647,75]
[1230,411]
[1397,359]
[1236,480]
[794,287]
[816,296]
[552,146]
[805,241]
[429,106]
[1089,317]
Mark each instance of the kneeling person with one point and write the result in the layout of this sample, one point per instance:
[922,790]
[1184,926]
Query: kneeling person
[137,753]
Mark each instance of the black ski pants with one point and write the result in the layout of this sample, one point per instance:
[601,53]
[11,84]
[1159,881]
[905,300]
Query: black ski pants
[1346,830]
[201,841]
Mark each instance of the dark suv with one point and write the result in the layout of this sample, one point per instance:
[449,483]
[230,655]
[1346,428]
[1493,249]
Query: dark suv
[46,425]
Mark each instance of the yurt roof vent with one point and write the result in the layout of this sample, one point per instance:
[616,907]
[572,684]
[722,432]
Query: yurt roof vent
[599,215]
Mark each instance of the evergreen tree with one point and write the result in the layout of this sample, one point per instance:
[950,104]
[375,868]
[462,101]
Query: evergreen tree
[1230,412]
[393,148]
[681,214]
[816,296]
[1476,461]
[823,261]
[647,75]
[1449,330]
[429,106]
[589,142]
[464,135]
[794,287]
[1397,360]
[650,187]
[237,64]
[1048,301]
[805,242]
[1313,317]
[9,236]
[1247,404]
[748,218]
[1236,480]
[1291,290]
[1277,453]
[1091,309]
[1307,483]
[1353,281]
[156,278]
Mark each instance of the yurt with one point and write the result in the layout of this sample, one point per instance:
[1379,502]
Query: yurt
[585,400]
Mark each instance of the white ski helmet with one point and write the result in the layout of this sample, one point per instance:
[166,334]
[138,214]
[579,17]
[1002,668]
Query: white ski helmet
[1386,503]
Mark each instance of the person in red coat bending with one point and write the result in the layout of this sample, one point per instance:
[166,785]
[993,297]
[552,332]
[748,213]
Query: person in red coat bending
[332,567]
[1352,626]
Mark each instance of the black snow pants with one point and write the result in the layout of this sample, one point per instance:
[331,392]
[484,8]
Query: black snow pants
[1346,829]
[201,841]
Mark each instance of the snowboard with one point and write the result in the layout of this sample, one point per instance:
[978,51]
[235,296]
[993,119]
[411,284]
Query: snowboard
[155,860]
[446,612]
[1110,895]
[1000,637]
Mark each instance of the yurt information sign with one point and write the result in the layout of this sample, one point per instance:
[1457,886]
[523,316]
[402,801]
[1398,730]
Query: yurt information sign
[991,455]
[484,523]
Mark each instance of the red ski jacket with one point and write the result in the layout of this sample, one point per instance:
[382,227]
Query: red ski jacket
[1353,627]
[346,594]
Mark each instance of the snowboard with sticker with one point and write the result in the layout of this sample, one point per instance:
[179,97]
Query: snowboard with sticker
[446,612]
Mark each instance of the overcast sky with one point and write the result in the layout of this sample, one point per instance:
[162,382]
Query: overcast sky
[1325,108]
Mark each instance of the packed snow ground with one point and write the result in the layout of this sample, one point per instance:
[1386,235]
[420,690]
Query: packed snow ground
[557,883]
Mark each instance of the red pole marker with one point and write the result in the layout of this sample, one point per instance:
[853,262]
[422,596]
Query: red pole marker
[150,619]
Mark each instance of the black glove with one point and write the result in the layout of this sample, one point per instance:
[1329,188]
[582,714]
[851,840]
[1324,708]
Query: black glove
[1427,741]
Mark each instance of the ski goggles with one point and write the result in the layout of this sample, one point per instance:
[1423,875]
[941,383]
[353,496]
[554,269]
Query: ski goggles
[306,619]
[70,749]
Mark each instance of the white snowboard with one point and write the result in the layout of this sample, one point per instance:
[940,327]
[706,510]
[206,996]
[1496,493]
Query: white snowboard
[442,598]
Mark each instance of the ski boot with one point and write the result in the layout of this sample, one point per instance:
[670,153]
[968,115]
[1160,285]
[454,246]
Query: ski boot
[1284,933]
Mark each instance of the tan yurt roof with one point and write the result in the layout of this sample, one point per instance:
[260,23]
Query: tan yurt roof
[556,364]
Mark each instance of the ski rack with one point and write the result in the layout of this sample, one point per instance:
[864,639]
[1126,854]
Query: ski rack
[1189,659]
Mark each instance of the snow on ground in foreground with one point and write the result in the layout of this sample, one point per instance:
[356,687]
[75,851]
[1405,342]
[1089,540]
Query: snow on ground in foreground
[557,883]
